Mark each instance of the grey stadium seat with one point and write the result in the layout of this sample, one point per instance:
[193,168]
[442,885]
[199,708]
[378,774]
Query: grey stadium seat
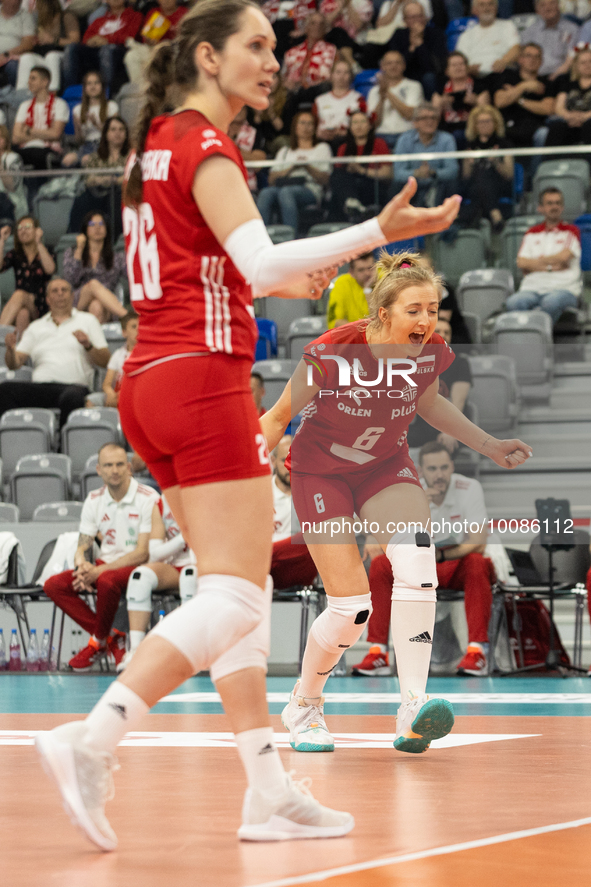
[284,311]
[25,432]
[281,233]
[66,241]
[276,374]
[327,228]
[113,335]
[9,513]
[511,241]
[474,326]
[54,512]
[53,216]
[89,479]
[23,374]
[40,479]
[484,292]
[301,332]
[494,392]
[571,177]
[86,431]
[467,252]
[526,337]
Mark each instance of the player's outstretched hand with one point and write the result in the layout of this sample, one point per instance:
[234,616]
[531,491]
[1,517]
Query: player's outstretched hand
[507,453]
[401,221]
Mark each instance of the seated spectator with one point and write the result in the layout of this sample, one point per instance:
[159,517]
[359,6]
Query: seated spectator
[550,258]
[300,180]
[39,124]
[356,186]
[347,301]
[423,47]
[160,23]
[271,123]
[120,511]
[492,45]
[65,345]
[103,46]
[572,124]
[526,98]
[17,35]
[33,266]
[487,179]
[89,118]
[461,563]
[291,561]
[94,270]
[13,198]
[392,101]
[347,23]
[454,384]
[436,179]
[555,35]
[249,142]
[307,66]
[456,94]
[113,379]
[103,192]
[257,388]
[56,29]
[168,555]
[333,109]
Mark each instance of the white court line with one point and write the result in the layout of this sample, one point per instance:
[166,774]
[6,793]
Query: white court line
[389,698]
[425,854]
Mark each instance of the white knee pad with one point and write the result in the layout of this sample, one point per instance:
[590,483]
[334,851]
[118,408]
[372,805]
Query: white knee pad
[188,583]
[251,651]
[226,608]
[342,623]
[140,586]
[412,556]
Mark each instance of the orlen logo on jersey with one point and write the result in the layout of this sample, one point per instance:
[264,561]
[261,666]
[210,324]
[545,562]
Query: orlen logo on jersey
[408,394]
[208,143]
[394,367]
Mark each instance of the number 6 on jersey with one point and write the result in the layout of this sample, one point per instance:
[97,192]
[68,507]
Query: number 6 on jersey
[137,225]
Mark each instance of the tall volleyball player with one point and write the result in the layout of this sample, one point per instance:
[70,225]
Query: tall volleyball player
[197,252]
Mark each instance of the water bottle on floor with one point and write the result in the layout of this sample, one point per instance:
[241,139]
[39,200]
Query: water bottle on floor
[161,615]
[33,652]
[3,660]
[45,654]
[15,663]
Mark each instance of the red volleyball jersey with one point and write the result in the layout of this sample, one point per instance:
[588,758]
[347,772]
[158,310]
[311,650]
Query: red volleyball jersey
[354,423]
[188,293]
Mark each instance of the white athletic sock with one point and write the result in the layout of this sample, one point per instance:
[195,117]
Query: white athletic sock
[412,635]
[135,639]
[260,758]
[119,710]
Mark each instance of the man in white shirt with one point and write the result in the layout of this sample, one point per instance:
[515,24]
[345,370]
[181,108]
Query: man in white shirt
[64,346]
[291,563]
[393,100]
[39,124]
[550,258]
[493,44]
[17,35]
[120,514]
[459,529]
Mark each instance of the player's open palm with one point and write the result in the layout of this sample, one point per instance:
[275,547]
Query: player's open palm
[399,220]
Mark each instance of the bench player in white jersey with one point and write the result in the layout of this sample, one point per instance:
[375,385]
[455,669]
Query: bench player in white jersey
[165,570]
[360,386]
[197,254]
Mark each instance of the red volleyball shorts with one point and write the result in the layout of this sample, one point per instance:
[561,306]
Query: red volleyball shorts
[324,497]
[193,421]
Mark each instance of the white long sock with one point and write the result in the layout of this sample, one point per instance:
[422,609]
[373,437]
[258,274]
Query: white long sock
[260,758]
[135,639]
[117,712]
[412,635]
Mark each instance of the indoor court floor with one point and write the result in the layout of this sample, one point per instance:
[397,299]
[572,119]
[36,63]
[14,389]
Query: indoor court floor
[504,800]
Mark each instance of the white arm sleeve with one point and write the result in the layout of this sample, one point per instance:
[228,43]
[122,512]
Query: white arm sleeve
[161,551]
[268,267]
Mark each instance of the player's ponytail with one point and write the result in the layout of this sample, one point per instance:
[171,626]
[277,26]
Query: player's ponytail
[396,273]
[172,69]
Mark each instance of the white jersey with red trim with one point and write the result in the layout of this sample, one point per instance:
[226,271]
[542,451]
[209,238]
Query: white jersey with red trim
[190,297]
[119,523]
[184,557]
[361,415]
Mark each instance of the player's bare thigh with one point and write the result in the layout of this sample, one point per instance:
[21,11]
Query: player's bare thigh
[228,525]
[395,509]
[337,558]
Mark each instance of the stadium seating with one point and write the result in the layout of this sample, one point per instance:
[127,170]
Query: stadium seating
[281,233]
[65,242]
[284,311]
[276,374]
[457,27]
[301,332]
[53,216]
[9,513]
[526,338]
[54,512]
[484,292]
[571,176]
[89,479]
[86,431]
[494,392]
[23,374]
[40,479]
[267,342]
[465,253]
[474,326]
[25,432]
[113,335]
[511,241]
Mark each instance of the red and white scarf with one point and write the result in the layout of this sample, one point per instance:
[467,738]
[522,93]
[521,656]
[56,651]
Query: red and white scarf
[30,120]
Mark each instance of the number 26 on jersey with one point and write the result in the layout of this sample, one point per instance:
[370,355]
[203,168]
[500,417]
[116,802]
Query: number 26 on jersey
[138,226]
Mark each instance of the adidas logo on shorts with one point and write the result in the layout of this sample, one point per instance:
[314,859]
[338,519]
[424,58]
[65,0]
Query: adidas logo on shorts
[423,638]
[406,472]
